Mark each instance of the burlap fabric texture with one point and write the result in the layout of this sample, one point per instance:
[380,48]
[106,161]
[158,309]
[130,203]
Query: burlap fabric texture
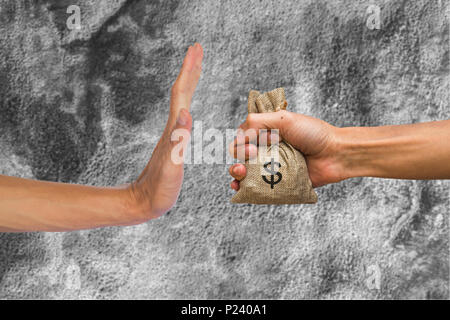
[274,180]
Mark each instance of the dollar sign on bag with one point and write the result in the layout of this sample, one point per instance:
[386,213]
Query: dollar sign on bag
[272,172]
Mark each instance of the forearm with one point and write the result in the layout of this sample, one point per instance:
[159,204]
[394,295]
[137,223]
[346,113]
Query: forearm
[416,151]
[28,205]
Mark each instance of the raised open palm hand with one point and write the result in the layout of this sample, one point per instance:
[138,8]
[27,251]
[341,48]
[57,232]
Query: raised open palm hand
[157,188]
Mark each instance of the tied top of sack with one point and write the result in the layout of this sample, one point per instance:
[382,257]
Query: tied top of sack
[271,101]
[282,179]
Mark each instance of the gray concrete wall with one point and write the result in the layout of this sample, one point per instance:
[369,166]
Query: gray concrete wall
[89,106]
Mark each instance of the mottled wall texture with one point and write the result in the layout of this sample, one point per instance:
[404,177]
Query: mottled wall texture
[88,106]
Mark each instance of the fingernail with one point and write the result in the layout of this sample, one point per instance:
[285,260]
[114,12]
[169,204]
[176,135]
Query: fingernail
[182,119]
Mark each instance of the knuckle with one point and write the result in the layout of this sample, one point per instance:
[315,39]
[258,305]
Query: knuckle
[285,117]
[251,118]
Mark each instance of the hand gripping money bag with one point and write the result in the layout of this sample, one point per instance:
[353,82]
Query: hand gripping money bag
[280,180]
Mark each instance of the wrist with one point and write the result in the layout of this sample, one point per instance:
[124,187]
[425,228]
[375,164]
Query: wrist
[136,210]
[354,152]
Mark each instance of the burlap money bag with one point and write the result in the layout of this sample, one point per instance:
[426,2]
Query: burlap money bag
[284,182]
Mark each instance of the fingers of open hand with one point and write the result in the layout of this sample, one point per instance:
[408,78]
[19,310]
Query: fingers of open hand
[180,137]
[184,87]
